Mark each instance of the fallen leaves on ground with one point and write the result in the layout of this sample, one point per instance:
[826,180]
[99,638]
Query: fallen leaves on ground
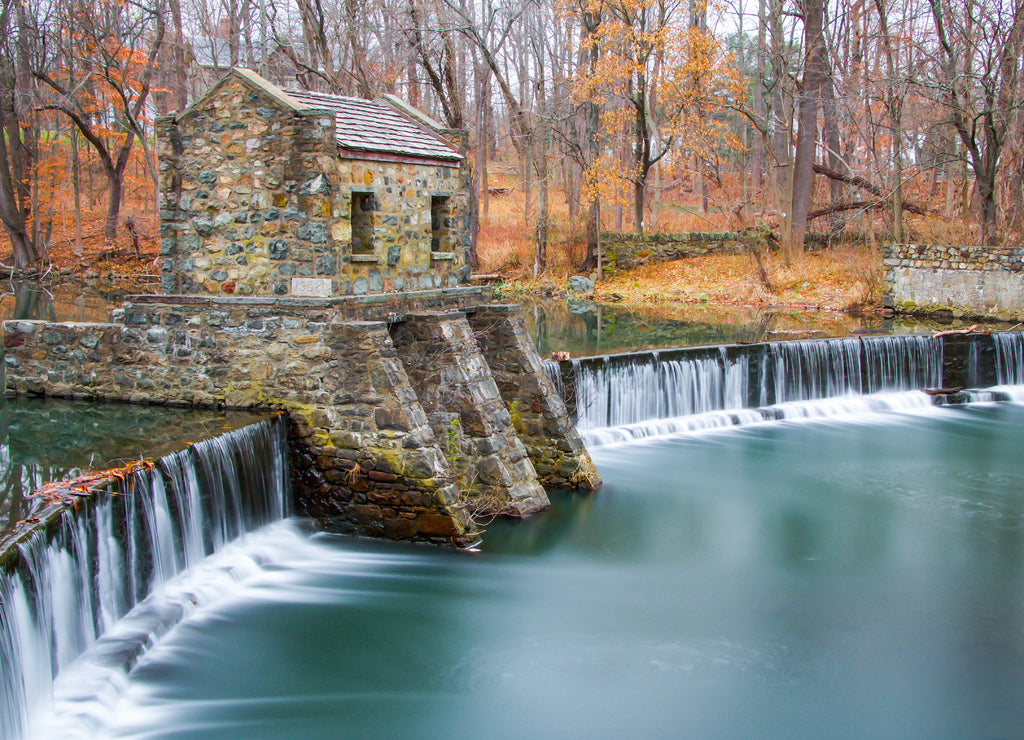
[837,280]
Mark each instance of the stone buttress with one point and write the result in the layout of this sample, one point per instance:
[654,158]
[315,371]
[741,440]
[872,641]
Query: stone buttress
[449,374]
[538,413]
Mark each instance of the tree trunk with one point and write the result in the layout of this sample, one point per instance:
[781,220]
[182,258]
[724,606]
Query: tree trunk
[114,188]
[540,257]
[803,162]
[781,171]
[178,74]
[757,144]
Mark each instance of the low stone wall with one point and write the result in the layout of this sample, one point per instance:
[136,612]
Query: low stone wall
[365,458]
[627,251]
[970,281]
[173,311]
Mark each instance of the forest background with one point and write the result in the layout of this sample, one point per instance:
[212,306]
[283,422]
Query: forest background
[896,119]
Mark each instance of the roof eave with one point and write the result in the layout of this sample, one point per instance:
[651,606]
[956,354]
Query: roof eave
[398,157]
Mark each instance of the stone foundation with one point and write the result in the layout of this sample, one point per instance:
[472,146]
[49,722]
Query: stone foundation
[449,374]
[537,410]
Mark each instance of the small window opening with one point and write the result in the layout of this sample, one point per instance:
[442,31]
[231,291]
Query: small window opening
[363,206]
[440,224]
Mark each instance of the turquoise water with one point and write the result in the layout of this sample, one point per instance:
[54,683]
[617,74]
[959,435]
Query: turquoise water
[843,579]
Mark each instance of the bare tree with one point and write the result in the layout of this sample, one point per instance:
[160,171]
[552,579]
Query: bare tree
[979,58]
[19,135]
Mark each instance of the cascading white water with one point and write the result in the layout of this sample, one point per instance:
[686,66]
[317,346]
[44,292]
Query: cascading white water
[106,558]
[809,370]
[657,393]
[612,394]
[901,363]
[1009,358]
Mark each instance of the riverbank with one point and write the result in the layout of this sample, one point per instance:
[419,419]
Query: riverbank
[847,279]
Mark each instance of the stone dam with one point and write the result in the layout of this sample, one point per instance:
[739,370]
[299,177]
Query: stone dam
[402,425]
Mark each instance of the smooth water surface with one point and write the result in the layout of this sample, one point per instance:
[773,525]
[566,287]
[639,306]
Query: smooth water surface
[43,440]
[585,329]
[41,301]
[841,579]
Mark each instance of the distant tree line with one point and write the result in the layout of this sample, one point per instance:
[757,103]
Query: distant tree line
[794,110]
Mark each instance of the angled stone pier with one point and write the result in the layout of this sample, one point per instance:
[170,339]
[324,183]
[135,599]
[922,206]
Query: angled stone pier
[538,413]
[450,375]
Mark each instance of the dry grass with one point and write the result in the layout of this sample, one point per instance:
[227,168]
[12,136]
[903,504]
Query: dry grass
[847,278]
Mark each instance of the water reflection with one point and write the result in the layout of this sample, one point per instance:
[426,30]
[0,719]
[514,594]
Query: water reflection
[50,440]
[35,301]
[585,329]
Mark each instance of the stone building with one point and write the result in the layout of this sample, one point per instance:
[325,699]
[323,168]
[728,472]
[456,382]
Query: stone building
[273,192]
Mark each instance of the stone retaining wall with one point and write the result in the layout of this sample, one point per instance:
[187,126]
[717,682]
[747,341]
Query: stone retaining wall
[364,459]
[970,281]
[179,310]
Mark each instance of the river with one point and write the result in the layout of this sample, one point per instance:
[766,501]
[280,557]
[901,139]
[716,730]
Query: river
[854,577]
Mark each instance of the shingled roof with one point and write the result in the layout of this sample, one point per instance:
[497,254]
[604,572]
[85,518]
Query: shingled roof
[369,126]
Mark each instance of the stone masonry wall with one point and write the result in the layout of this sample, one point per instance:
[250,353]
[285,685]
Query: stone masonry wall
[449,374]
[628,251]
[402,257]
[245,196]
[366,459]
[144,310]
[960,280]
[364,455]
[254,196]
[537,411]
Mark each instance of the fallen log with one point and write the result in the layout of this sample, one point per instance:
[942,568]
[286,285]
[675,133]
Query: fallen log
[852,205]
[973,329]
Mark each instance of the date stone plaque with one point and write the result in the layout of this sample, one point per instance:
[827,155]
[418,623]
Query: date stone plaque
[311,287]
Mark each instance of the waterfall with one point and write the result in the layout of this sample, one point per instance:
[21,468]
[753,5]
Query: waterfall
[1009,358]
[809,370]
[660,392]
[656,385]
[107,556]
[902,363]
